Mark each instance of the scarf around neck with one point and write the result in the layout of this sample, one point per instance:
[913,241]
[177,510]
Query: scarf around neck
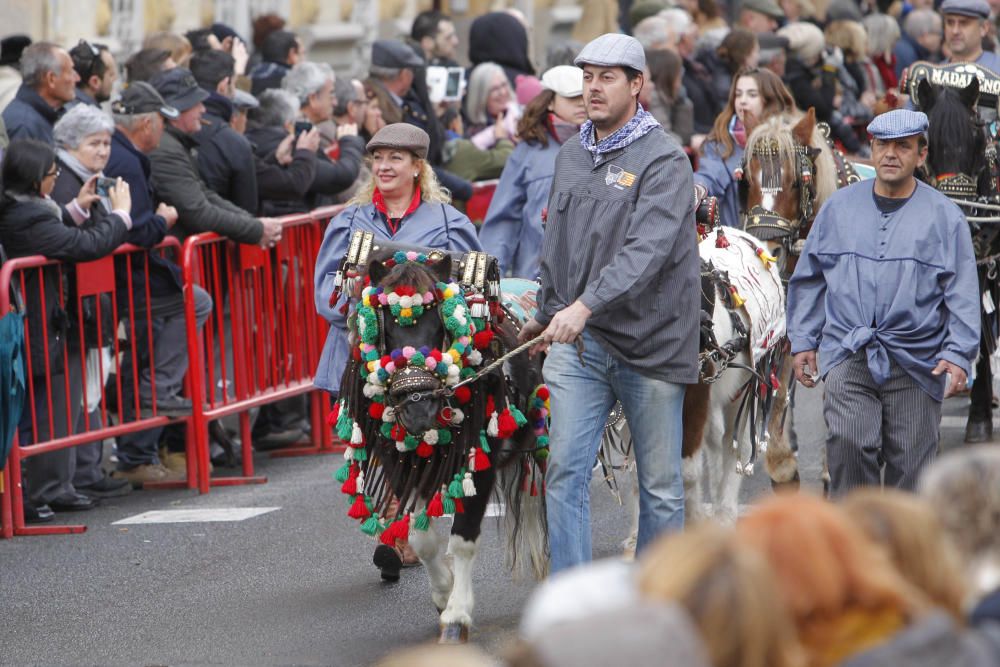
[82,173]
[638,126]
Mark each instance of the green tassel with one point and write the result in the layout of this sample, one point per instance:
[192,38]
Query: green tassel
[360,454]
[423,521]
[371,526]
[343,473]
[483,443]
[447,504]
[455,489]
[519,417]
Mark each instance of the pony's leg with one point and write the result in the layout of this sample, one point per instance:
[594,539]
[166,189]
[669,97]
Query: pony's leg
[427,545]
[723,480]
[693,468]
[457,615]
[780,460]
[697,406]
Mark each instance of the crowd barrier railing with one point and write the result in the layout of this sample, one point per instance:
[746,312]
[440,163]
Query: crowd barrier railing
[263,340]
[71,372]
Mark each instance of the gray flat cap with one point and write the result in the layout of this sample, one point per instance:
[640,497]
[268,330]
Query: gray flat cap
[401,135]
[394,54]
[613,50]
[765,7]
[898,124]
[243,100]
[979,9]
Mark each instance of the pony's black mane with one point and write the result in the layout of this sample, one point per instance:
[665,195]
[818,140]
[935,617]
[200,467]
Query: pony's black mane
[957,144]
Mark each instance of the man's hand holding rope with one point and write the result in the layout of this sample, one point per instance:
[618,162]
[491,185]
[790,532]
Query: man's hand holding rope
[565,327]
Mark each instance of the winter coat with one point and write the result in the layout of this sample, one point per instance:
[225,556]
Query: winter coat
[675,115]
[225,158]
[934,642]
[267,75]
[464,159]
[28,116]
[131,165]
[908,51]
[176,181]
[281,189]
[500,38]
[513,228]
[717,175]
[701,91]
[31,225]
[430,226]
[10,81]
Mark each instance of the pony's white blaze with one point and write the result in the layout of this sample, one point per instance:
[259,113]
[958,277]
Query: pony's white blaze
[459,609]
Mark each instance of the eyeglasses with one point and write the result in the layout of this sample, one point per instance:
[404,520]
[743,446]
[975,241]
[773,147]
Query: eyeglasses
[54,173]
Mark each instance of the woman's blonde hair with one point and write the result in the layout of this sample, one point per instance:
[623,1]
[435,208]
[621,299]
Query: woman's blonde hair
[729,592]
[431,190]
[850,36]
[909,531]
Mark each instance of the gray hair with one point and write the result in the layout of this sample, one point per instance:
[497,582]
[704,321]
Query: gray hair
[38,60]
[130,122]
[919,22]
[307,79]
[883,32]
[79,123]
[384,73]
[277,108]
[480,81]
[678,21]
[653,31]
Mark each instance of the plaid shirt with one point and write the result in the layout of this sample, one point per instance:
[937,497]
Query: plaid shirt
[637,126]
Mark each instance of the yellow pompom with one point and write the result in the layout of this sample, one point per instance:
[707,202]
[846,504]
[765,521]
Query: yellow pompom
[455,355]
[371,366]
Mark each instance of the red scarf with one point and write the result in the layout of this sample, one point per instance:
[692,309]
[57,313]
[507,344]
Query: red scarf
[887,68]
[393,224]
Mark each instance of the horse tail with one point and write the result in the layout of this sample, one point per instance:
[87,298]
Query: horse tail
[522,487]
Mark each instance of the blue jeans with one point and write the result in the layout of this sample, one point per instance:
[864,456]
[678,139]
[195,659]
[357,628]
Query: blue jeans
[582,397]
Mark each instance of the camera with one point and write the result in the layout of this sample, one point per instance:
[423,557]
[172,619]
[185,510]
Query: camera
[302,126]
[105,185]
[445,84]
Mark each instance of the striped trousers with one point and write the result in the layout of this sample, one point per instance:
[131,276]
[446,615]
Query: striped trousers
[895,426]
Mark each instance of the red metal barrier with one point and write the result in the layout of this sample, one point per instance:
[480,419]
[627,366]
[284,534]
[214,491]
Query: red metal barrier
[93,280]
[263,340]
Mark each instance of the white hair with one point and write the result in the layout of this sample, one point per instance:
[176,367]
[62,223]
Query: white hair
[883,32]
[653,31]
[678,20]
[277,108]
[79,123]
[307,79]
[919,22]
[805,41]
[480,82]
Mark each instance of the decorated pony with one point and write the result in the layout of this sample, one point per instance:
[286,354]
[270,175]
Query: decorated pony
[431,418]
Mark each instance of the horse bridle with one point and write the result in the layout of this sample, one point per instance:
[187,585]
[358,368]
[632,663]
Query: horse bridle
[764,222]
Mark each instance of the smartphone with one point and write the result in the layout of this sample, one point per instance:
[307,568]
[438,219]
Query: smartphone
[445,84]
[105,185]
[302,126]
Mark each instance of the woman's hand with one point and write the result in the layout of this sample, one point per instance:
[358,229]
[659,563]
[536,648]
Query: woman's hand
[88,193]
[121,196]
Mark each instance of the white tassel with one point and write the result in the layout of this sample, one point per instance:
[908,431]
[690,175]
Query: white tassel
[356,434]
[493,430]
[349,453]
[389,414]
[361,482]
[468,486]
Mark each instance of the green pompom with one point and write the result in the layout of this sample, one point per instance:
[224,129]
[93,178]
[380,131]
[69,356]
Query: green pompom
[343,473]
[423,522]
[386,430]
[411,442]
[444,436]
[542,453]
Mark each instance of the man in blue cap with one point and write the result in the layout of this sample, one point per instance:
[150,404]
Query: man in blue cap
[886,292]
[619,272]
[966,22]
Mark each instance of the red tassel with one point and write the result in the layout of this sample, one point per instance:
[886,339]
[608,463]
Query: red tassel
[534,488]
[490,406]
[334,415]
[397,530]
[482,460]
[356,353]
[435,507]
[720,239]
[463,395]
[482,339]
[424,450]
[506,426]
[375,410]
[359,510]
[398,433]
[350,485]
[459,507]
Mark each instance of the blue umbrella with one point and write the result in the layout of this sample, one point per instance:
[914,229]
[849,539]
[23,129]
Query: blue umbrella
[12,380]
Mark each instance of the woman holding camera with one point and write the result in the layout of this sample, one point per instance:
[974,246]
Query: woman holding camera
[31,223]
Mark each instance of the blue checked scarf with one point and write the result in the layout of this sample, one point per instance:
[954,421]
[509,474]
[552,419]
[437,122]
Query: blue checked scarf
[637,127]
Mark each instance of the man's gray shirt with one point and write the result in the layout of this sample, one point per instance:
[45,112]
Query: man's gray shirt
[620,236]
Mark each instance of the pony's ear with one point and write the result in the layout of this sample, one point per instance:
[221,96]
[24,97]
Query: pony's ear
[442,269]
[803,130]
[926,95]
[376,271]
[970,94]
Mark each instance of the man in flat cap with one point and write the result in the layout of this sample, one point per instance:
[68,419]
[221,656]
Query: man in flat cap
[760,15]
[619,272]
[966,23]
[886,293]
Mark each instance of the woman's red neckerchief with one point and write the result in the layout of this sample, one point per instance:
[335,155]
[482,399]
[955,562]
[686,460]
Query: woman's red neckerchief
[393,224]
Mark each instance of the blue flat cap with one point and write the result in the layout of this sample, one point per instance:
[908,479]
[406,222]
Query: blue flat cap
[979,9]
[898,124]
[394,54]
[613,50]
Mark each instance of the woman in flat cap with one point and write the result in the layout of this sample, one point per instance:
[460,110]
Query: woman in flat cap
[401,202]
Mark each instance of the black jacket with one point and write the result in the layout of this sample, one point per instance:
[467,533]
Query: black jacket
[816,87]
[281,189]
[700,90]
[225,158]
[28,116]
[34,226]
[176,181]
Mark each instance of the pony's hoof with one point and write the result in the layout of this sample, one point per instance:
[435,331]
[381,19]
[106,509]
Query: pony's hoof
[979,430]
[388,561]
[791,486]
[454,633]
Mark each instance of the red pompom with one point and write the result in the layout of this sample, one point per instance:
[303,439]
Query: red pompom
[482,460]
[375,410]
[506,426]
[436,355]
[463,394]
[386,360]
[356,353]
[444,417]
[424,450]
[398,433]
[435,507]
[481,339]
[359,510]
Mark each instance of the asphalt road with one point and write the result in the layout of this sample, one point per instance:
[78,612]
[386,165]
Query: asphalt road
[292,586]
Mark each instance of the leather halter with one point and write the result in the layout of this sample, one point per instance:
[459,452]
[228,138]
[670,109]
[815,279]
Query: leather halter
[763,222]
